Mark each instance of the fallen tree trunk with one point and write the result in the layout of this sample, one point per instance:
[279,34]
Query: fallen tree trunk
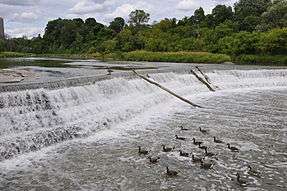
[205,76]
[202,81]
[167,90]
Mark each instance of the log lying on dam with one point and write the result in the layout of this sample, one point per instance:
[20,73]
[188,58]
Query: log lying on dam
[202,81]
[205,76]
[167,90]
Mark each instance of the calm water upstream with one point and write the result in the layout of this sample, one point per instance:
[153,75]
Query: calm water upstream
[86,137]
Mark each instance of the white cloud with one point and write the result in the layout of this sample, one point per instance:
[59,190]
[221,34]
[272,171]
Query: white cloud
[19,2]
[86,6]
[24,17]
[25,31]
[186,5]
[122,11]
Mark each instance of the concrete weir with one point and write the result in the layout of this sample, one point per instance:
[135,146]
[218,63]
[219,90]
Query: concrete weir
[70,82]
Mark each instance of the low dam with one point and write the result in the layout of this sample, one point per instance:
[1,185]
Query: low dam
[84,133]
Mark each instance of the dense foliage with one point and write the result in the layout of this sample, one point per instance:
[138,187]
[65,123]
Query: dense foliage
[252,27]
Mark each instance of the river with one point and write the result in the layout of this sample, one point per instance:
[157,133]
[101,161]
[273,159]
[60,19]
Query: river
[86,136]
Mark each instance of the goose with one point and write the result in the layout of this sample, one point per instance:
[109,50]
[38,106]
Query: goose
[206,166]
[253,172]
[183,154]
[196,160]
[166,149]
[217,140]
[153,160]
[180,138]
[171,172]
[233,149]
[208,154]
[142,151]
[182,128]
[110,72]
[202,130]
[240,180]
[202,147]
[196,142]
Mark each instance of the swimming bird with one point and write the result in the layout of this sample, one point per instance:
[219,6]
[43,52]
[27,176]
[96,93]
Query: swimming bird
[166,149]
[253,172]
[240,180]
[202,130]
[142,151]
[171,172]
[180,138]
[183,154]
[206,166]
[208,154]
[153,160]
[195,159]
[233,149]
[202,147]
[196,142]
[110,72]
[217,140]
[182,128]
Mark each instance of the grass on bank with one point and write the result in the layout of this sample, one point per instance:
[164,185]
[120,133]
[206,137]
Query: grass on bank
[184,57]
[14,54]
[261,59]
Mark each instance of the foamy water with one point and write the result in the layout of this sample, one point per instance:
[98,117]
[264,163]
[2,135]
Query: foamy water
[86,137]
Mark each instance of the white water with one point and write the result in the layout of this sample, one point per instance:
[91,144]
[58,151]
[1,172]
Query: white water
[34,119]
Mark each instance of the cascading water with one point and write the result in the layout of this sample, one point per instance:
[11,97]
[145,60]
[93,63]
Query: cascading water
[35,119]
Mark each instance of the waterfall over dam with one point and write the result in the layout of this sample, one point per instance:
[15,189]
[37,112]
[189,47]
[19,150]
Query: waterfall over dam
[34,119]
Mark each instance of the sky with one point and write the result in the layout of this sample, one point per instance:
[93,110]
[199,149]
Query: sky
[29,17]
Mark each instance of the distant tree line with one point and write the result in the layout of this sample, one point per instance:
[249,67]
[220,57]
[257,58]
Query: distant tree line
[250,27]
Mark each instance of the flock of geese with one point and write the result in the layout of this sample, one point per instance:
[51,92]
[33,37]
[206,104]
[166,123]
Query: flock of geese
[200,160]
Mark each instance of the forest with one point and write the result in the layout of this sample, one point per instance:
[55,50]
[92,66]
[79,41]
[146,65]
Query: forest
[250,27]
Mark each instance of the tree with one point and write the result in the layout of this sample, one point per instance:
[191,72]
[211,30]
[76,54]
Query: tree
[166,24]
[199,15]
[222,13]
[2,45]
[250,23]
[138,18]
[274,42]
[276,14]
[245,8]
[117,24]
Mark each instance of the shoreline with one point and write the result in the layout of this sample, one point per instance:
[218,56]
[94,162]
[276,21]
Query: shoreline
[170,57]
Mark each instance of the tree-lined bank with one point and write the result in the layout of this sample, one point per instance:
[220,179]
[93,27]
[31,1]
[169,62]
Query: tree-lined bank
[253,31]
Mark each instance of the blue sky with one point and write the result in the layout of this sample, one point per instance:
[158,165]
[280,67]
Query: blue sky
[29,17]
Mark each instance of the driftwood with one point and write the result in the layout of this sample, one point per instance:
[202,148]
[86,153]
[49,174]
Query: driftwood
[167,90]
[202,81]
[203,74]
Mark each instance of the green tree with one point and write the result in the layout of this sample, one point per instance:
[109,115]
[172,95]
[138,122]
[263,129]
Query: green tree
[138,18]
[117,24]
[276,14]
[273,42]
[222,13]
[2,45]
[245,8]
[199,16]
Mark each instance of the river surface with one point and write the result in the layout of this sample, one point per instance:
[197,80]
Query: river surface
[86,137]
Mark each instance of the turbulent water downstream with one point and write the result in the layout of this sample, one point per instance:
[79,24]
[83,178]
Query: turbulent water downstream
[86,137]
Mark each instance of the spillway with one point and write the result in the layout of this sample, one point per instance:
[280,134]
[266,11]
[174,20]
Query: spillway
[34,120]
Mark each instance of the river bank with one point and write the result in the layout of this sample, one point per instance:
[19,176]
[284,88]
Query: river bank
[176,57]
